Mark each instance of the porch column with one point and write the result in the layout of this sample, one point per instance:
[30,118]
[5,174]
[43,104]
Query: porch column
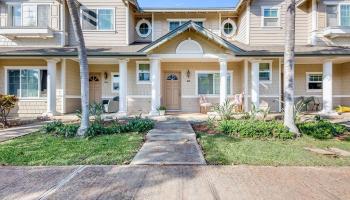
[51,87]
[246,86]
[255,84]
[123,87]
[327,86]
[155,85]
[223,80]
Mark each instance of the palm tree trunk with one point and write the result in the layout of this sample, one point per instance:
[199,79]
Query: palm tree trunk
[84,67]
[289,61]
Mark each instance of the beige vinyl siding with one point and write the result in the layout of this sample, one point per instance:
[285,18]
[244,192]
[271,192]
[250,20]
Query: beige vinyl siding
[208,46]
[161,25]
[242,27]
[132,25]
[275,35]
[72,78]
[116,37]
[136,36]
[133,87]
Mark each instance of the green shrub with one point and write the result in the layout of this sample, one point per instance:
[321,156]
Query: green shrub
[96,128]
[255,129]
[68,130]
[226,111]
[138,125]
[321,129]
[52,127]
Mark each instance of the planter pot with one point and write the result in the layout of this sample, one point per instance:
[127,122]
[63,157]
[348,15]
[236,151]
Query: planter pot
[161,112]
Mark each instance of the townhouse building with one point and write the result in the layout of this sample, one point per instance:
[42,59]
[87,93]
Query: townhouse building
[144,57]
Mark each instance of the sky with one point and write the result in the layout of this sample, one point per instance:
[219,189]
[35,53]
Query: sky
[187,3]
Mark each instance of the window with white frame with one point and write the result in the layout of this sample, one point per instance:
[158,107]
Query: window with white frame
[208,83]
[173,24]
[265,71]
[270,17]
[143,28]
[29,15]
[314,81]
[228,27]
[332,15]
[338,15]
[27,82]
[115,82]
[101,19]
[345,15]
[143,72]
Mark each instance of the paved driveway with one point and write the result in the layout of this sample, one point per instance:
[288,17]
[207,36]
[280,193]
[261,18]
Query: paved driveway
[174,182]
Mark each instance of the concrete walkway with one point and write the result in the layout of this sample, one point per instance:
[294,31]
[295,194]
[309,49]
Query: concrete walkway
[171,142]
[10,133]
[175,182]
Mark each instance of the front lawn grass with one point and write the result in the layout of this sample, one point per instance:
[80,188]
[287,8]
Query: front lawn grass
[225,150]
[47,149]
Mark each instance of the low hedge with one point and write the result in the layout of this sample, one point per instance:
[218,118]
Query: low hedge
[321,129]
[69,130]
[255,129]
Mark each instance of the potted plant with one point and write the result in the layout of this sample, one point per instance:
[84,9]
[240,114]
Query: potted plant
[161,110]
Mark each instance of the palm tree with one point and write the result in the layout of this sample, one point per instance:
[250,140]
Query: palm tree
[84,68]
[289,61]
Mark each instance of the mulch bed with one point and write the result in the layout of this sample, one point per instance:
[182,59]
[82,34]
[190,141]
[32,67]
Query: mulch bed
[203,128]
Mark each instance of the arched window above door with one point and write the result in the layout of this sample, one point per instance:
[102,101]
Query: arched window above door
[172,77]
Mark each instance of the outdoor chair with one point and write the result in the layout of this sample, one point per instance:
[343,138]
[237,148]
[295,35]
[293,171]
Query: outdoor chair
[111,105]
[204,105]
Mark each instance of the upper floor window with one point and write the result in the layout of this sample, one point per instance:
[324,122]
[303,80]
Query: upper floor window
[143,28]
[29,15]
[173,24]
[345,15]
[338,15]
[228,28]
[270,17]
[98,19]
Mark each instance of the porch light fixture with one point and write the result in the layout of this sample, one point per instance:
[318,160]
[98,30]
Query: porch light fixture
[188,74]
[106,75]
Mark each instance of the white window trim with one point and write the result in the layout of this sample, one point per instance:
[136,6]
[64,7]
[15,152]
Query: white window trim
[234,26]
[97,8]
[339,13]
[326,15]
[185,20]
[270,71]
[29,4]
[138,28]
[112,89]
[307,81]
[212,72]
[138,70]
[22,68]
[278,16]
